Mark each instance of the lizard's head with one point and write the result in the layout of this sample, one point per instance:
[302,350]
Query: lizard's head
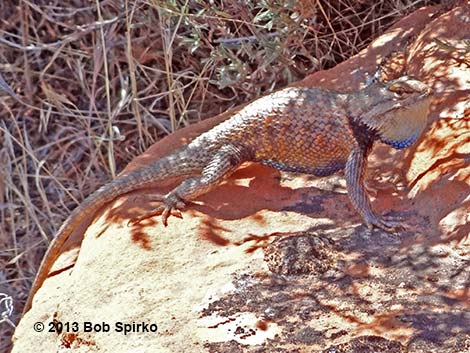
[400,113]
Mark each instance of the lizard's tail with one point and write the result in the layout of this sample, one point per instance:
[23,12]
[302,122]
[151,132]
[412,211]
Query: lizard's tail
[174,165]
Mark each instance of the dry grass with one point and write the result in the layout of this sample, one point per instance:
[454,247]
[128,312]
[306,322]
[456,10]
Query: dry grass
[88,85]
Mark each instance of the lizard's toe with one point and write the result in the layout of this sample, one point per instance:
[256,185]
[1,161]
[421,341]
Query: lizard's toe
[155,212]
[171,207]
[167,212]
[388,224]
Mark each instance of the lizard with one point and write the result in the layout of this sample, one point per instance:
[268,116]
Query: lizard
[296,129]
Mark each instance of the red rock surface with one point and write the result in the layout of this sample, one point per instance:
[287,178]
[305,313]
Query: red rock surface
[274,262]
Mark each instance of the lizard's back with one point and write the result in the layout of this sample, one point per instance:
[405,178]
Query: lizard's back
[296,129]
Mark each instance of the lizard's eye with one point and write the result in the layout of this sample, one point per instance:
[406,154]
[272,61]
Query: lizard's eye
[400,88]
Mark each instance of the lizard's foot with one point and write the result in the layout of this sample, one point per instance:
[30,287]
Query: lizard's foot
[171,207]
[388,224]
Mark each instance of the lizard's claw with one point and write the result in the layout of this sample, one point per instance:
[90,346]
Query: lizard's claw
[171,207]
[388,224]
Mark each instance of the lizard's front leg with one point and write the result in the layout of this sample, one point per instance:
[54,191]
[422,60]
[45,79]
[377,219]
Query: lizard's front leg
[225,161]
[355,170]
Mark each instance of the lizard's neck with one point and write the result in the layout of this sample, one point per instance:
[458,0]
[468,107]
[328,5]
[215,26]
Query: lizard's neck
[363,101]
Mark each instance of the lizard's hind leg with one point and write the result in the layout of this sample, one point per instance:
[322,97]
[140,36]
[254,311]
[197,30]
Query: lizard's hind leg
[225,161]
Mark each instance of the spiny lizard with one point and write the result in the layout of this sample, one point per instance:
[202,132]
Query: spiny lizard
[306,130]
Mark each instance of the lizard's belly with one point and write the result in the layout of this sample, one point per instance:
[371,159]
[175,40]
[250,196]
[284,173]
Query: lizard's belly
[320,146]
[306,169]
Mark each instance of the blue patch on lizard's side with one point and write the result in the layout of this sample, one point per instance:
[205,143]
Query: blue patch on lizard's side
[403,143]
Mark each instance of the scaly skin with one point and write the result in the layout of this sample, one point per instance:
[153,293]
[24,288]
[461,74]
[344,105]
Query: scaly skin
[306,130]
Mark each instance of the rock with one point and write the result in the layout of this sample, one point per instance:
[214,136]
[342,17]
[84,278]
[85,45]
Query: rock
[204,284]
[367,344]
[299,254]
